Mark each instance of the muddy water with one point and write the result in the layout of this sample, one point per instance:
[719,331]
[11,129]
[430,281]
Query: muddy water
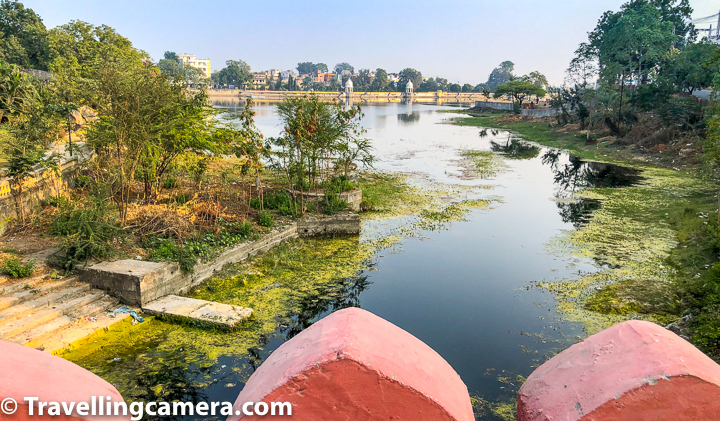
[463,286]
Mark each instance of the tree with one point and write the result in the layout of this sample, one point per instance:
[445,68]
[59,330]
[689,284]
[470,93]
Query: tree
[518,90]
[381,80]
[307,83]
[236,72]
[692,68]
[306,68]
[430,85]
[467,87]
[321,67]
[362,81]
[412,75]
[23,36]
[537,78]
[500,75]
[145,122]
[455,87]
[319,139]
[341,68]
[24,132]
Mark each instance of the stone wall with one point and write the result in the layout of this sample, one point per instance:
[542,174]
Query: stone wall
[44,184]
[139,283]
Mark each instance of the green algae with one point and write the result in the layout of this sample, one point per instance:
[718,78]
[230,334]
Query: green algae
[482,164]
[631,237]
[288,288]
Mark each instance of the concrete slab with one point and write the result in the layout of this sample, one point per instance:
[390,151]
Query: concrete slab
[135,282]
[225,315]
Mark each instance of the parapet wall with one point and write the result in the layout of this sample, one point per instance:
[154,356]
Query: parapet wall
[42,185]
[138,282]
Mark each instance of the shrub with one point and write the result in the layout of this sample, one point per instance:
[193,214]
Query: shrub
[170,182]
[88,229]
[333,204]
[56,201]
[15,268]
[265,219]
[255,203]
[280,200]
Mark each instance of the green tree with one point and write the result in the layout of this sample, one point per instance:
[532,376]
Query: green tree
[409,74]
[340,68]
[381,80]
[518,91]
[692,68]
[537,78]
[24,132]
[500,75]
[467,87]
[306,68]
[145,122]
[362,81]
[23,36]
[235,72]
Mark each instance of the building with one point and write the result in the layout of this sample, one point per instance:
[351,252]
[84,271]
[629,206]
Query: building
[259,80]
[198,63]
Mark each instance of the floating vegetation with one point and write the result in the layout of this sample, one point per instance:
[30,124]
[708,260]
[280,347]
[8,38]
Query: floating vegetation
[630,238]
[481,164]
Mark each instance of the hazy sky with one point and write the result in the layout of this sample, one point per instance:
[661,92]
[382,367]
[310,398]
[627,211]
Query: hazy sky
[461,40]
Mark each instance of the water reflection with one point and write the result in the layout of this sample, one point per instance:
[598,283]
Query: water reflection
[330,299]
[577,174]
[515,149]
[409,118]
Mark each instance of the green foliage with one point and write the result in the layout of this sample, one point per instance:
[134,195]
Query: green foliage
[318,134]
[170,182]
[256,203]
[15,268]
[265,219]
[683,113]
[235,72]
[87,230]
[280,200]
[332,204]
[518,90]
[23,37]
[56,202]
[202,247]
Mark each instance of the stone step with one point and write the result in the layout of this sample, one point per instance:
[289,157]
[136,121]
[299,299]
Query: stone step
[38,318]
[22,294]
[209,312]
[9,285]
[76,329]
[47,300]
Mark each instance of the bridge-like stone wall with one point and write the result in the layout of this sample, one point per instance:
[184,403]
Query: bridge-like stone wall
[434,97]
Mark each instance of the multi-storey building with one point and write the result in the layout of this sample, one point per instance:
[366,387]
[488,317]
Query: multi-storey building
[198,63]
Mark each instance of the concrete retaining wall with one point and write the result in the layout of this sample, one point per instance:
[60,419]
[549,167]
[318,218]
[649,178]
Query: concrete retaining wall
[44,184]
[508,106]
[138,282]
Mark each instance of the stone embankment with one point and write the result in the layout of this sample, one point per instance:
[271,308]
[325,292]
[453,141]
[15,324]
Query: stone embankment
[142,284]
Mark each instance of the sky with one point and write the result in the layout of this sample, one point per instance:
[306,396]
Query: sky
[460,40]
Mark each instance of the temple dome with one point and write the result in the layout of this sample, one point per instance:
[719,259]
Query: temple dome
[409,85]
[349,83]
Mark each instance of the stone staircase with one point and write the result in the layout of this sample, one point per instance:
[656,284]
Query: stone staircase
[50,314]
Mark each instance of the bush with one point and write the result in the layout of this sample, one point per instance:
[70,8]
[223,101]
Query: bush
[265,219]
[682,113]
[15,268]
[333,204]
[202,247]
[255,203]
[280,200]
[87,229]
[56,202]
[170,182]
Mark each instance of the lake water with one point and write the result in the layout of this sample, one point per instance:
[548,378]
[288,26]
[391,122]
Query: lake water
[465,289]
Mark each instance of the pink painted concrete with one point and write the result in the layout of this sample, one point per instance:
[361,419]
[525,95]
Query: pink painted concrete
[26,372]
[353,366]
[633,371]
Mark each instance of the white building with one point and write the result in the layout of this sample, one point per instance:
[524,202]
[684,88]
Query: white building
[198,63]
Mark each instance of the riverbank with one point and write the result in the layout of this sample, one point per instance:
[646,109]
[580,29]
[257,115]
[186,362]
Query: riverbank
[656,241]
